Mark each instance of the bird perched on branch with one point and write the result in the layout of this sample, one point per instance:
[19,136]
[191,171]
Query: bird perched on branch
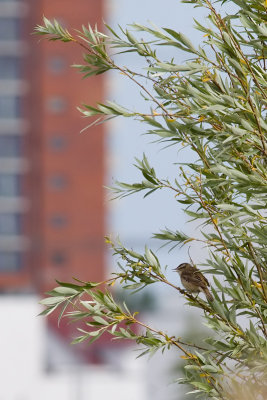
[193,280]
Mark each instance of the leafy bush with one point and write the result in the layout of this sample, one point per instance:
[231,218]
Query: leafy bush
[215,105]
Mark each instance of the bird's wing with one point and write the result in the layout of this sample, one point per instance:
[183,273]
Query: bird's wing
[196,277]
[203,281]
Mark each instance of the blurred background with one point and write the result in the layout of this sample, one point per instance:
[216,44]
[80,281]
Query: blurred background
[54,211]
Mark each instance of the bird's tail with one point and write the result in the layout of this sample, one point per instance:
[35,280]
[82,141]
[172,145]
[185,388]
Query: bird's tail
[208,294]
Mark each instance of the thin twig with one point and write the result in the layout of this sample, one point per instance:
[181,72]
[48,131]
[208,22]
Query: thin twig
[252,252]
[207,376]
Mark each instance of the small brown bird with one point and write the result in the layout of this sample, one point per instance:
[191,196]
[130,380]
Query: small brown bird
[193,280]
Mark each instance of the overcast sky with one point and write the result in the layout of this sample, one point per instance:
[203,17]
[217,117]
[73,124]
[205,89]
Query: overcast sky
[135,218]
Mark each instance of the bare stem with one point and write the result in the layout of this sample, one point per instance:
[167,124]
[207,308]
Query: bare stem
[252,252]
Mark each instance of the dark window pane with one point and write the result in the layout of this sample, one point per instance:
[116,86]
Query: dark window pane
[10,67]
[58,221]
[10,185]
[56,104]
[58,182]
[58,143]
[10,146]
[10,262]
[58,257]
[9,28]
[57,64]
[10,107]
[10,224]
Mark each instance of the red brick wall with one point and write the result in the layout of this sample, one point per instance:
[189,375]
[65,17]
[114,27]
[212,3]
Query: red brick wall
[79,163]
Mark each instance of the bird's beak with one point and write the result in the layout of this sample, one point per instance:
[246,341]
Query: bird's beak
[174,269]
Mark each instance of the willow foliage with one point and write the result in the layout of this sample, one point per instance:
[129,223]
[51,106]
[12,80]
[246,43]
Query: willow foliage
[214,104]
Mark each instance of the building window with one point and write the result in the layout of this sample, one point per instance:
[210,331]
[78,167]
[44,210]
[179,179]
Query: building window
[9,28]
[56,104]
[58,257]
[57,64]
[10,185]
[10,67]
[10,146]
[10,261]
[58,221]
[10,224]
[10,107]
[58,182]
[57,143]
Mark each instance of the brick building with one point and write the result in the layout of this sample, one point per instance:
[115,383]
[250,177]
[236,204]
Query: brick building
[51,176]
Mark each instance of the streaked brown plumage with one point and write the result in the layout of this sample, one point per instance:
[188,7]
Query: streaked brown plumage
[193,280]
